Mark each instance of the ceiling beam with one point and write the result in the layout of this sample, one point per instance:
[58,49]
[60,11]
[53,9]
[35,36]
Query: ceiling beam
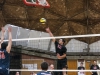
[54,13]
[56,30]
[2,2]
[27,17]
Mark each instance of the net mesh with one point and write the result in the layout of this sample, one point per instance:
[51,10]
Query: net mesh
[74,46]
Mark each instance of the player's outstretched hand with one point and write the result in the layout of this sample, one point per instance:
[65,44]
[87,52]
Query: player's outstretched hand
[48,30]
[3,30]
[9,29]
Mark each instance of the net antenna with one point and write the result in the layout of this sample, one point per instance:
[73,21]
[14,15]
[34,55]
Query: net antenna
[41,3]
[55,70]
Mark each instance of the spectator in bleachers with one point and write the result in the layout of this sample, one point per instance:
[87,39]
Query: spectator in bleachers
[81,67]
[94,66]
[51,67]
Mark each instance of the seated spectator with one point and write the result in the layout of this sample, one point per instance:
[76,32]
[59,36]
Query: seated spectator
[51,67]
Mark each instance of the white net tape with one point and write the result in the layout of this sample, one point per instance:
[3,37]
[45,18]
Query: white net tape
[55,70]
[73,36]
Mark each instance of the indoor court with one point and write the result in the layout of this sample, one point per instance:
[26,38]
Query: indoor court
[64,33]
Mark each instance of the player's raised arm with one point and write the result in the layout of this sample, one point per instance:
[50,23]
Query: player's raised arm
[50,33]
[2,36]
[9,40]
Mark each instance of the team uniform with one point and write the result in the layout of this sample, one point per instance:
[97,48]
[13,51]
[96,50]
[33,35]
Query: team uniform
[61,49]
[94,67]
[53,73]
[4,62]
[81,72]
[44,73]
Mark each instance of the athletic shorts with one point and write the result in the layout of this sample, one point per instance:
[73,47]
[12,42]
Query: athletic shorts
[4,71]
[61,63]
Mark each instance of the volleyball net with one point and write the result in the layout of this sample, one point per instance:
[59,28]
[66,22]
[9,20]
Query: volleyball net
[30,41]
[41,40]
[75,72]
[55,70]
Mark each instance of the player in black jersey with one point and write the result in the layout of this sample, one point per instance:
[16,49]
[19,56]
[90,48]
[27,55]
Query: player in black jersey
[60,53]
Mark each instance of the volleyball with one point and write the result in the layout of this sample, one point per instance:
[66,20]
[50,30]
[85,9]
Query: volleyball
[43,20]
